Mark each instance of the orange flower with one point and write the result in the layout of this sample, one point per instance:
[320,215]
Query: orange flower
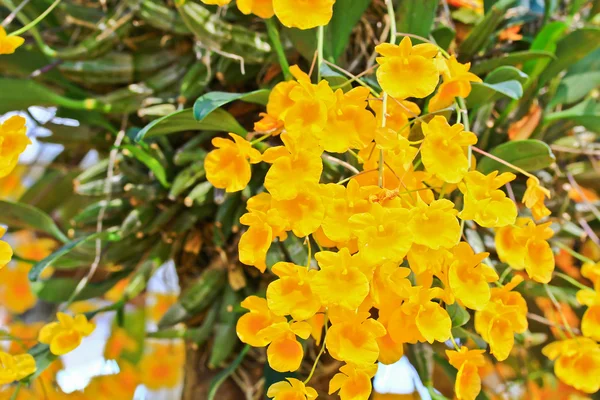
[162,365]
[434,225]
[303,14]
[505,314]
[228,167]
[285,353]
[14,368]
[66,335]
[577,362]
[13,135]
[534,198]
[406,70]
[293,389]
[353,382]
[27,335]
[525,246]
[457,83]
[444,149]
[252,323]
[15,289]
[160,303]
[397,112]
[352,337]
[6,252]
[341,203]
[216,2]
[484,202]
[261,8]
[467,362]
[8,44]
[590,323]
[468,277]
[340,282]
[118,343]
[291,294]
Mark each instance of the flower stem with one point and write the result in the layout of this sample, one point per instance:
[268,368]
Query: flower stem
[572,281]
[559,310]
[572,252]
[35,21]
[320,39]
[276,41]
[314,367]
[501,161]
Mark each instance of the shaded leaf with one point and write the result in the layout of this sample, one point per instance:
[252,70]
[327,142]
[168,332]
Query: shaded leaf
[416,17]
[574,87]
[152,163]
[458,314]
[514,58]
[586,113]
[530,155]
[570,49]
[218,380]
[183,120]
[37,269]
[346,14]
[544,41]
[19,215]
[211,101]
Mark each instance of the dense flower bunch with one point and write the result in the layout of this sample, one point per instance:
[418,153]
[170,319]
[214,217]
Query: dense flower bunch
[392,253]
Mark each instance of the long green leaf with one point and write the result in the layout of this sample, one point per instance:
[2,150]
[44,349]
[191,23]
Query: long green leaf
[570,49]
[482,33]
[36,270]
[586,113]
[346,14]
[544,41]
[575,87]
[515,58]
[152,163]
[416,16]
[218,380]
[210,102]
[183,120]
[20,215]
[530,155]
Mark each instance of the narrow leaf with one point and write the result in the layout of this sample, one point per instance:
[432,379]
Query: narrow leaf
[218,380]
[530,155]
[19,215]
[152,163]
[209,102]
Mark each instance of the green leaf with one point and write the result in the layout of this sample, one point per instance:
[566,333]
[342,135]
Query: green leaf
[586,113]
[544,41]
[19,94]
[416,16]
[462,333]
[481,34]
[211,101]
[19,215]
[575,87]
[59,290]
[218,380]
[570,49]
[506,73]
[304,41]
[346,14]
[515,58]
[530,155]
[43,358]
[458,314]
[152,163]
[183,120]
[37,269]
[443,36]
[483,93]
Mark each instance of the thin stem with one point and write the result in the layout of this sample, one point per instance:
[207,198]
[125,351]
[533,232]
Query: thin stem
[501,161]
[572,252]
[309,256]
[572,281]
[577,188]
[273,33]
[559,309]
[454,342]
[462,109]
[314,367]
[381,155]
[260,139]
[547,322]
[320,38]
[504,275]
[35,21]
[373,92]
[392,15]
[343,163]
[15,394]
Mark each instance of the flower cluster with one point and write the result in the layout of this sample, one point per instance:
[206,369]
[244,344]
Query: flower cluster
[302,14]
[392,255]
[66,334]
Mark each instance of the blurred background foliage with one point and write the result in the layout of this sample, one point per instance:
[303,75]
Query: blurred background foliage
[133,91]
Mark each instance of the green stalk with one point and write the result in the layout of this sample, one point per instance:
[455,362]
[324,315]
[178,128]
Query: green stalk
[320,39]
[47,50]
[35,21]
[273,33]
